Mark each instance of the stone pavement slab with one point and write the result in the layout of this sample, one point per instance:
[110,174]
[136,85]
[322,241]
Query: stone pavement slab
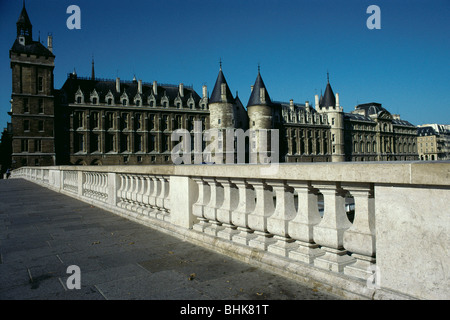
[43,232]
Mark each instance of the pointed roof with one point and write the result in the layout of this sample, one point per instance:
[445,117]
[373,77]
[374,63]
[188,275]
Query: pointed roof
[23,18]
[216,95]
[328,99]
[255,97]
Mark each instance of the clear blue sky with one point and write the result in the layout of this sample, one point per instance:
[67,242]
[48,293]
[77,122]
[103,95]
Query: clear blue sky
[405,65]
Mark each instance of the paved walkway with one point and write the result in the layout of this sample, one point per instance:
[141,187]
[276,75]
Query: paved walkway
[42,233]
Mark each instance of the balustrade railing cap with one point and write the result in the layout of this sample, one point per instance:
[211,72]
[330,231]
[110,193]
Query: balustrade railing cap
[412,173]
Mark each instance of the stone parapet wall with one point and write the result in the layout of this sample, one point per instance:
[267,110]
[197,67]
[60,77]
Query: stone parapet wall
[360,230]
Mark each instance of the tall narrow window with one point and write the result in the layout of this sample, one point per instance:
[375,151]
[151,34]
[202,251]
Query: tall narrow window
[26,107]
[41,125]
[24,145]
[40,84]
[37,145]
[26,125]
[41,106]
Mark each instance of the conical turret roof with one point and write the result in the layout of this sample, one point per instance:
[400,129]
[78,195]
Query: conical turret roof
[23,18]
[328,98]
[216,95]
[255,97]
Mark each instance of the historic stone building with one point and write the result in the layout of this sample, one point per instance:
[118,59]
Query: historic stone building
[433,142]
[113,122]
[374,134]
[94,121]
[32,98]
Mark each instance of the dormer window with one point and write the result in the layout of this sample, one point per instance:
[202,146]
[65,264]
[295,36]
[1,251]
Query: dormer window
[124,99]
[191,102]
[109,101]
[79,96]
[94,97]
[178,103]
[137,100]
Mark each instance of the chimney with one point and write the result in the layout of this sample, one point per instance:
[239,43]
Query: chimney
[291,104]
[307,104]
[140,86]
[118,85]
[205,91]
[181,90]
[155,88]
[50,43]
[337,100]
[317,101]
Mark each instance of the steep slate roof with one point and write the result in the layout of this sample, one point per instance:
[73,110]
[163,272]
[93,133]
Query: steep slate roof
[31,47]
[216,93]
[426,131]
[35,47]
[102,87]
[23,18]
[328,99]
[373,108]
[255,97]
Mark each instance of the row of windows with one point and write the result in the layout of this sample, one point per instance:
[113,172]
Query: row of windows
[27,126]
[152,103]
[361,147]
[138,121]
[26,106]
[124,143]
[28,145]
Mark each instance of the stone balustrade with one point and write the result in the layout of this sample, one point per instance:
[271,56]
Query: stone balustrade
[393,244]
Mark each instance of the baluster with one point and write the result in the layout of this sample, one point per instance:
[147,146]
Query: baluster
[129,192]
[121,191]
[154,195]
[302,226]
[210,210]
[95,186]
[329,233]
[257,219]
[239,216]
[167,195]
[278,222]
[162,199]
[86,184]
[360,237]
[104,189]
[140,194]
[146,195]
[224,213]
[198,208]
[134,192]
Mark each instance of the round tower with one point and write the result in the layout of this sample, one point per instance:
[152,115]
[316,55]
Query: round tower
[260,114]
[329,105]
[221,104]
[221,117]
[259,106]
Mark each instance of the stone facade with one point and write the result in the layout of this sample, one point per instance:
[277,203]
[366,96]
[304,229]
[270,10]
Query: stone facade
[32,98]
[93,121]
[433,142]
[111,122]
